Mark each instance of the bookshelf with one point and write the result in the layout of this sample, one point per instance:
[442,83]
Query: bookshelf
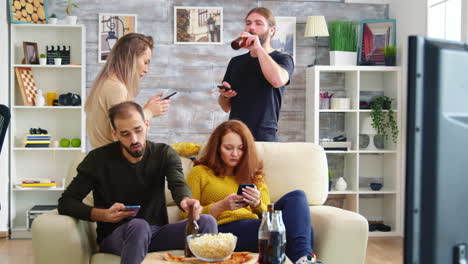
[359,165]
[60,121]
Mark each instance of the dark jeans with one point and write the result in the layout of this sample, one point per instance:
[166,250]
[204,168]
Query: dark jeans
[133,240]
[265,134]
[296,218]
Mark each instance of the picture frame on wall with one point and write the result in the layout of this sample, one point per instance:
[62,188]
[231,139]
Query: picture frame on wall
[374,36]
[31,54]
[111,28]
[198,25]
[28,12]
[284,39]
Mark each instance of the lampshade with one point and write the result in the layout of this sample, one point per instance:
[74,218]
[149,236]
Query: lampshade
[316,27]
[366,126]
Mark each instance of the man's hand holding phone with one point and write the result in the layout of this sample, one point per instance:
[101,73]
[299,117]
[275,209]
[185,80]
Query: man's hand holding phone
[114,214]
[226,91]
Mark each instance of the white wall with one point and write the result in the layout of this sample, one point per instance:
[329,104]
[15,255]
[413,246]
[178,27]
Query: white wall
[4,69]
[411,17]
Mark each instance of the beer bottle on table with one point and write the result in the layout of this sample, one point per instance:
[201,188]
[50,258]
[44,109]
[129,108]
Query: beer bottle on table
[191,228]
[271,209]
[276,244]
[283,230]
[263,238]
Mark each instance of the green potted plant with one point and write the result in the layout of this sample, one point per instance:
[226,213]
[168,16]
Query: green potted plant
[390,55]
[331,173]
[70,19]
[42,59]
[383,119]
[343,42]
[57,58]
[53,19]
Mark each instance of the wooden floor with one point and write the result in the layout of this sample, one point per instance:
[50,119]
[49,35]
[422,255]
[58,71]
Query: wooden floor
[379,251]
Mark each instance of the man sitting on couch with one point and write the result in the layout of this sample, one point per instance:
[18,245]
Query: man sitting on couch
[132,172]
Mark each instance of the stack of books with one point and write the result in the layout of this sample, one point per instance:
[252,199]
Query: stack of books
[38,183]
[37,141]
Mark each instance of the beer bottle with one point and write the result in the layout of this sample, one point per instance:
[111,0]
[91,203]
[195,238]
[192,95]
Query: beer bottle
[191,228]
[275,249]
[263,238]
[283,231]
[271,209]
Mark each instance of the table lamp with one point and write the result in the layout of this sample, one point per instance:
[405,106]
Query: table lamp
[316,27]
[367,129]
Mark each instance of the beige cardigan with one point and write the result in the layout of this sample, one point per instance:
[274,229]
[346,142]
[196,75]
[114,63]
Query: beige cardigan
[98,126]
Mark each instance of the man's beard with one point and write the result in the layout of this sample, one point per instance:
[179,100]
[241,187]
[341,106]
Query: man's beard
[136,153]
[263,37]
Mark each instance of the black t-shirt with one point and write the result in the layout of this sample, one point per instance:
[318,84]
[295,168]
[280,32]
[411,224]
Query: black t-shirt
[112,178]
[257,102]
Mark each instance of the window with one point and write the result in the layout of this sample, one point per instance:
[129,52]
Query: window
[445,19]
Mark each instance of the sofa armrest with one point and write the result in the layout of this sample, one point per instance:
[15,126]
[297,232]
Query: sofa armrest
[340,236]
[62,239]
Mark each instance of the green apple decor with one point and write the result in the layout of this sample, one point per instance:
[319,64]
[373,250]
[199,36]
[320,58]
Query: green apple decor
[76,142]
[65,143]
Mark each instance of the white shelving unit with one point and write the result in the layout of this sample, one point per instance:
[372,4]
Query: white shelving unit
[362,166]
[59,121]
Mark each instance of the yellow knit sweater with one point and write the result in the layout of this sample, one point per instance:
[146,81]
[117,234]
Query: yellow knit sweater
[209,189]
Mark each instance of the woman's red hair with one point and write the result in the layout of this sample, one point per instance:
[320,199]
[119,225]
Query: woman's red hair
[250,167]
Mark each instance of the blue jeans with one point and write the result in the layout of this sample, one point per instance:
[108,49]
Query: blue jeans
[296,218]
[133,240]
[265,134]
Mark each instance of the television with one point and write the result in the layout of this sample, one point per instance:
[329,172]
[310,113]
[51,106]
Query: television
[436,205]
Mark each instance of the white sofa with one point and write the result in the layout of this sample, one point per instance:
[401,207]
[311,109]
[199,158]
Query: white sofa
[340,235]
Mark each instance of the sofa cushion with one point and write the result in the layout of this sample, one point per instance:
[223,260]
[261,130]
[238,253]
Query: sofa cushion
[295,166]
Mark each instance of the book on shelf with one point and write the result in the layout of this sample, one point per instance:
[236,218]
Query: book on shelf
[35,145]
[51,184]
[37,180]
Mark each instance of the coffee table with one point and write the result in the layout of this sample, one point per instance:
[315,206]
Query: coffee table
[157,258]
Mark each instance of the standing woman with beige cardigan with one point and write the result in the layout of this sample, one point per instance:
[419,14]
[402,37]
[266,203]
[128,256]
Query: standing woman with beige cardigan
[117,82]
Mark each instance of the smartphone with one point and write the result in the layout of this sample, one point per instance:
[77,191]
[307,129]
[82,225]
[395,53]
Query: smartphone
[224,87]
[169,96]
[242,186]
[134,208]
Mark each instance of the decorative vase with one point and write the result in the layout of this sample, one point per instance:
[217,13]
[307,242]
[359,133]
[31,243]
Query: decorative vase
[390,61]
[58,61]
[343,58]
[71,20]
[341,184]
[39,100]
[379,141]
[43,61]
[53,20]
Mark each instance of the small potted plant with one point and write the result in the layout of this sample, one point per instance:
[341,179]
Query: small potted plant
[42,59]
[383,119]
[343,42]
[331,173]
[390,55]
[57,59]
[53,19]
[70,19]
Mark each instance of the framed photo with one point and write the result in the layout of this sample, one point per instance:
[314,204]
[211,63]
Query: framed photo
[284,39]
[198,25]
[111,28]
[28,12]
[374,36]
[31,54]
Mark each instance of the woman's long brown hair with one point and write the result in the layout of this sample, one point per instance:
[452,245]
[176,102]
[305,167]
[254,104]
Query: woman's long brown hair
[250,167]
[122,64]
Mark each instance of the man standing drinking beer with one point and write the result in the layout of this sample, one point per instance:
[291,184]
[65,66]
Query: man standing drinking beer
[255,81]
